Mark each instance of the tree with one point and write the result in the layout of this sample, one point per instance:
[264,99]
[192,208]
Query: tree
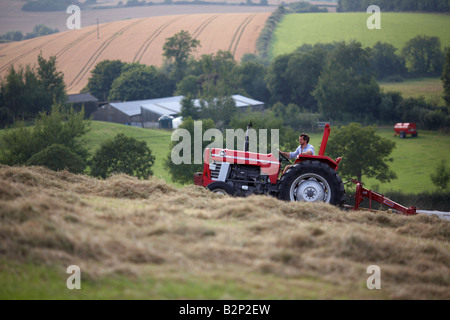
[12,92]
[190,84]
[5,117]
[347,89]
[27,91]
[188,108]
[220,109]
[103,76]
[446,78]
[294,118]
[40,30]
[52,82]
[291,78]
[276,79]
[218,78]
[184,172]
[250,77]
[302,75]
[423,54]
[385,61]
[62,126]
[441,175]
[14,36]
[123,155]
[140,82]
[287,137]
[363,153]
[395,5]
[177,49]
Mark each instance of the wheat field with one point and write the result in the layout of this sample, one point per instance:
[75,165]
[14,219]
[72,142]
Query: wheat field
[136,40]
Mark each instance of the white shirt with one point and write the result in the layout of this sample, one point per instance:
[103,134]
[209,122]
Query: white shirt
[300,150]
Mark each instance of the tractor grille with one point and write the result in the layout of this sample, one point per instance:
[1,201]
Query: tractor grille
[215,173]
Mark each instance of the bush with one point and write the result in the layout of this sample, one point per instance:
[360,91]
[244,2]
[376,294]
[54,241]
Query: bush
[61,127]
[433,201]
[123,155]
[264,38]
[58,157]
[439,201]
[441,175]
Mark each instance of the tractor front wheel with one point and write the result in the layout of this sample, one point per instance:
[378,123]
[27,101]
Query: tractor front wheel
[221,188]
[311,181]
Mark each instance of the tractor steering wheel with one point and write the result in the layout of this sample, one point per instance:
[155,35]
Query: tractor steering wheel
[282,157]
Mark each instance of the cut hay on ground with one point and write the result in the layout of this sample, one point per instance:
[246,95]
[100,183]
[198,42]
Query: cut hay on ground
[126,226]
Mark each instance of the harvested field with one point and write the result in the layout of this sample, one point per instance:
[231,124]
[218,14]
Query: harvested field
[162,242]
[12,18]
[136,40]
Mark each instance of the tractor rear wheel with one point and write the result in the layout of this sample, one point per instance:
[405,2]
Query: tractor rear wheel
[311,181]
[221,188]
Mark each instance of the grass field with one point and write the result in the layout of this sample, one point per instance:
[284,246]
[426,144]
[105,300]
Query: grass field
[413,171]
[157,140]
[396,29]
[414,159]
[430,88]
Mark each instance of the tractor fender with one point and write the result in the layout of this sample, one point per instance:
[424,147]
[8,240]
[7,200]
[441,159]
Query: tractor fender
[334,164]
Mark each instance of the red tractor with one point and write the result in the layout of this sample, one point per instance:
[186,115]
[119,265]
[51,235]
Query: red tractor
[310,179]
[241,173]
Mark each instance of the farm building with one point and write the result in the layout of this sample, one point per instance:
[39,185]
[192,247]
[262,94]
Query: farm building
[86,100]
[146,113]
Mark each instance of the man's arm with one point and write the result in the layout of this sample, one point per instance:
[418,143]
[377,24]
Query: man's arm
[286,154]
[309,150]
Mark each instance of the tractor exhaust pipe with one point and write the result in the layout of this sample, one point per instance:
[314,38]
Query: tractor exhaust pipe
[246,144]
[323,145]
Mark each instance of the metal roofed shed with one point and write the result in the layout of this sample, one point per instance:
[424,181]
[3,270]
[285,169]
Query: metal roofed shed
[146,113]
[248,102]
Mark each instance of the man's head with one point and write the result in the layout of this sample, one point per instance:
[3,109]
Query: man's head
[304,138]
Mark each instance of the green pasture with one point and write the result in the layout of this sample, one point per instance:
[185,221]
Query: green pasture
[396,29]
[414,158]
[30,281]
[430,88]
[157,140]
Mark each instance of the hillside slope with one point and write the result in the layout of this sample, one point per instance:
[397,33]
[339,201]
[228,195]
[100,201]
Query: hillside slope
[136,40]
[149,240]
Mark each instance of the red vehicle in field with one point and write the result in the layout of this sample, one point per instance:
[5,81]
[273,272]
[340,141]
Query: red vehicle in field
[403,129]
[310,178]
